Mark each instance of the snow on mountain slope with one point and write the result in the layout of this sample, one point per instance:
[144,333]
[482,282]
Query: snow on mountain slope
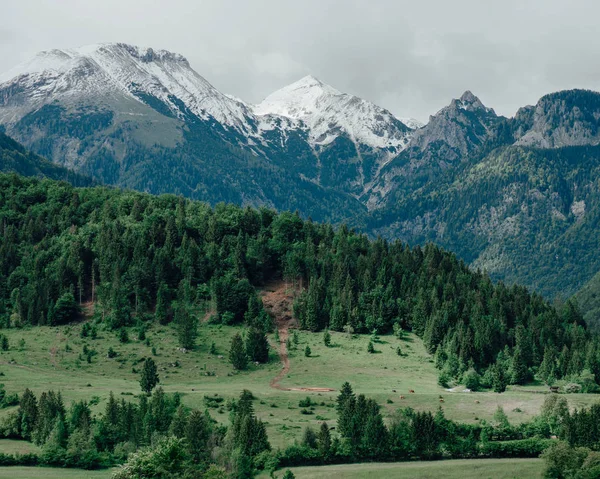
[116,68]
[327,112]
[412,123]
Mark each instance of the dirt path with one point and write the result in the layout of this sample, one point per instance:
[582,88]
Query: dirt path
[278,299]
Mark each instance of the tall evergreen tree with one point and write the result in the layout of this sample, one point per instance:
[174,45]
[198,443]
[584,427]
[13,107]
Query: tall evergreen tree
[237,353]
[149,376]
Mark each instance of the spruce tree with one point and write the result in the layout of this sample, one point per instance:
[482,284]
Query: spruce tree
[345,409]
[28,410]
[187,326]
[237,353]
[327,338]
[257,345]
[149,378]
[309,438]
[324,440]
[162,307]
[197,434]
[499,381]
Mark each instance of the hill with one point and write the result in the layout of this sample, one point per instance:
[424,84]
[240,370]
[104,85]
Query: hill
[136,257]
[14,158]
[259,317]
[487,187]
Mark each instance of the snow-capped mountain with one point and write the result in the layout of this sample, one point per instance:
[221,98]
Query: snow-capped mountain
[114,69]
[327,112]
[116,96]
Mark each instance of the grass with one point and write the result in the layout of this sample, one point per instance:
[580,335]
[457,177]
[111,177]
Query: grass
[18,472]
[52,358]
[453,469]
[11,446]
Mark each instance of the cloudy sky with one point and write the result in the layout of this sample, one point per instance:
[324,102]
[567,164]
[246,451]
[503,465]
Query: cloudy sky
[410,57]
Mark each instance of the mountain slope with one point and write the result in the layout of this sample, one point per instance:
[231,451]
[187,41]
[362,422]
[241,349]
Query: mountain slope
[145,119]
[351,137]
[450,136]
[14,158]
[523,213]
[588,299]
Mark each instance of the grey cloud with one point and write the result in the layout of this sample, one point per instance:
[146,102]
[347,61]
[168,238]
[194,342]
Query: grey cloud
[410,57]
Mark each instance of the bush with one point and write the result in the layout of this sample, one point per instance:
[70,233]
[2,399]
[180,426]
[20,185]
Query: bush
[532,447]
[307,351]
[563,460]
[306,402]
[572,388]
[444,379]
[472,380]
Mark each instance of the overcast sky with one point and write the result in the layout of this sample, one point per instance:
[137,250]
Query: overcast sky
[411,57]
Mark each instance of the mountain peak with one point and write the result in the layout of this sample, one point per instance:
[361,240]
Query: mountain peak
[308,81]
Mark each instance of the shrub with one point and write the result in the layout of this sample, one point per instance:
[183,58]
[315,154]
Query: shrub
[532,447]
[472,380]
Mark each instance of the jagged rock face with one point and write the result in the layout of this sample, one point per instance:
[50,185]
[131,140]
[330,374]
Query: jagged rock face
[568,118]
[460,127]
[450,136]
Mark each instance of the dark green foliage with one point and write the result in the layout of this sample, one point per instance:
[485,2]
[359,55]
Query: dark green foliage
[257,345]
[16,159]
[237,353]
[123,335]
[370,347]
[186,325]
[149,376]
[499,380]
[307,351]
[132,252]
[65,309]
[327,338]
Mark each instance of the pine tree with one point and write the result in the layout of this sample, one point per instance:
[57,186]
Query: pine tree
[149,378]
[197,434]
[162,307]
[345,409]
[237,353]
[307,351]
[179,423]
[519,370]
[327,338]
[28,410]
[309,438]
[324,440]
[499,381]
[257,345]
[187,327]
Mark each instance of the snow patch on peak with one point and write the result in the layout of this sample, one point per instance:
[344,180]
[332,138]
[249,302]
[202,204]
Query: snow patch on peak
[412,123]
[99,70]
[470,102]
[327,113]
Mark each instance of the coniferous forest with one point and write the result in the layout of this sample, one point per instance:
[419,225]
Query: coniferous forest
[144,259]
[141,258]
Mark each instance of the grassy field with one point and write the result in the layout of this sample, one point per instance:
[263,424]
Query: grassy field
[9,446]
[455,469]
[44,358]
[51,473]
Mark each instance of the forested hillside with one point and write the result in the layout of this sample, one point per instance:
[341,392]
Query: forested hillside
[14,158]
[138,257]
